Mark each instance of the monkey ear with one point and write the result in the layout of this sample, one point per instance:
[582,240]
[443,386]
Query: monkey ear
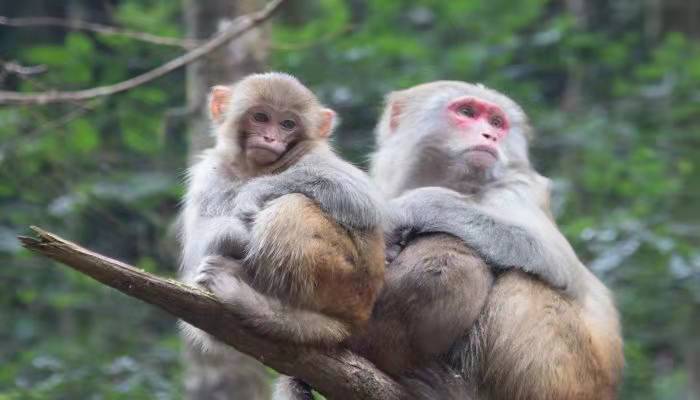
[327,122]
[219,99]
[395,110]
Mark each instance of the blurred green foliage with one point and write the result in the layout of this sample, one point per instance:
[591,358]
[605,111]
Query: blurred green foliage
[615,103]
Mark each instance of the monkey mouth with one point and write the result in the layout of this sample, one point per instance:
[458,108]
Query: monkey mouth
[485,149]
[264,148]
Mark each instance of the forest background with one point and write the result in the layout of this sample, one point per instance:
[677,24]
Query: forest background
[612,87]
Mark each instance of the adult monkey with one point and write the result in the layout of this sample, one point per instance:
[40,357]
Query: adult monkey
[549,333]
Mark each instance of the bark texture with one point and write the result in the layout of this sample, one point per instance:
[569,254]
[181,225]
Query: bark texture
[336,373]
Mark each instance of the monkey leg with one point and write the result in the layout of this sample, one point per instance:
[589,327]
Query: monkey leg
[434,291]
[533,343]
[265,315]
[299,254]
[302,256]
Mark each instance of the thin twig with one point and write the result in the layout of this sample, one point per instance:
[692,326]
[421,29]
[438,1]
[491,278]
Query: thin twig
[239,26]
[45,88]
[102,29]
[22,70]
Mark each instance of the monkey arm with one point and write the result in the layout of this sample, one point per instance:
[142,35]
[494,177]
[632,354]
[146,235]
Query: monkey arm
[502,245]
[340,190]
[213,235]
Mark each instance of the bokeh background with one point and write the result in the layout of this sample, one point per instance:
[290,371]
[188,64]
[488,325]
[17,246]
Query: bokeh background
[612,87]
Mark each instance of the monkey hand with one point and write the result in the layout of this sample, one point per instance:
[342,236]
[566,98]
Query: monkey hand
[400,227]
[252,198]
[248,205]
[218,274]
[396,240]
[419,211]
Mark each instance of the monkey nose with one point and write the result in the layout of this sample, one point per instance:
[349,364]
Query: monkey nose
[490,137]
[268,139]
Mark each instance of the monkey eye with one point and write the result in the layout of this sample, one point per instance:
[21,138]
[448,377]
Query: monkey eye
[261,117]
[468,111]
[497,121]
[288,124]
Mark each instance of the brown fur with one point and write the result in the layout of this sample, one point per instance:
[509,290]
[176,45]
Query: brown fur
[433,278]
[532,343]
[339,272]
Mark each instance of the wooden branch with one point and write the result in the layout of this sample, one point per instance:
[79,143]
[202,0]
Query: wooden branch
[102,29]
[336,373]
[22,70]
[237,28]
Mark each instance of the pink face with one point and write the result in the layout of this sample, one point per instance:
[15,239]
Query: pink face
[482,126]
[269,134]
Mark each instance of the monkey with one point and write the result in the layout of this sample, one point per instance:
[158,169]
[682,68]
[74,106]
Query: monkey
[453,156]
[480,279]
[275,224]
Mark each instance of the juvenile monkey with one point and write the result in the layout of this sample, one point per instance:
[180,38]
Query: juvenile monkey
[275,223]
[548,328]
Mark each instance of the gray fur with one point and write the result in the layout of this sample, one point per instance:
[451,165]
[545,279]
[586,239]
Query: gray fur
[501,244]
[225,196]
[498,212]
[209,227]
[288,388]
[341,191]
[220,208]
[503,215]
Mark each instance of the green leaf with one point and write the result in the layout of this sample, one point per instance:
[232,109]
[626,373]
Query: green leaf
[78,44]
[83,136]
[49,55]
[140,140]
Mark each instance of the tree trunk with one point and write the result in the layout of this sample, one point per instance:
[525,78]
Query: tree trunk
[693,355]
[571,98]
[231,375]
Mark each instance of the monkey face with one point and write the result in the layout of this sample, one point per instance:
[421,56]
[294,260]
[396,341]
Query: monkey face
[455,134]
[263,116]
[267,133]
[480,126]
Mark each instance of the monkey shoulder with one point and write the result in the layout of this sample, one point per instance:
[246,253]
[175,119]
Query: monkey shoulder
[331,169]
[342,190]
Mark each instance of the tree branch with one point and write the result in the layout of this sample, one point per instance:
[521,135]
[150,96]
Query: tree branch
[336,373]
[22,70]
[237,28]
[98,28]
